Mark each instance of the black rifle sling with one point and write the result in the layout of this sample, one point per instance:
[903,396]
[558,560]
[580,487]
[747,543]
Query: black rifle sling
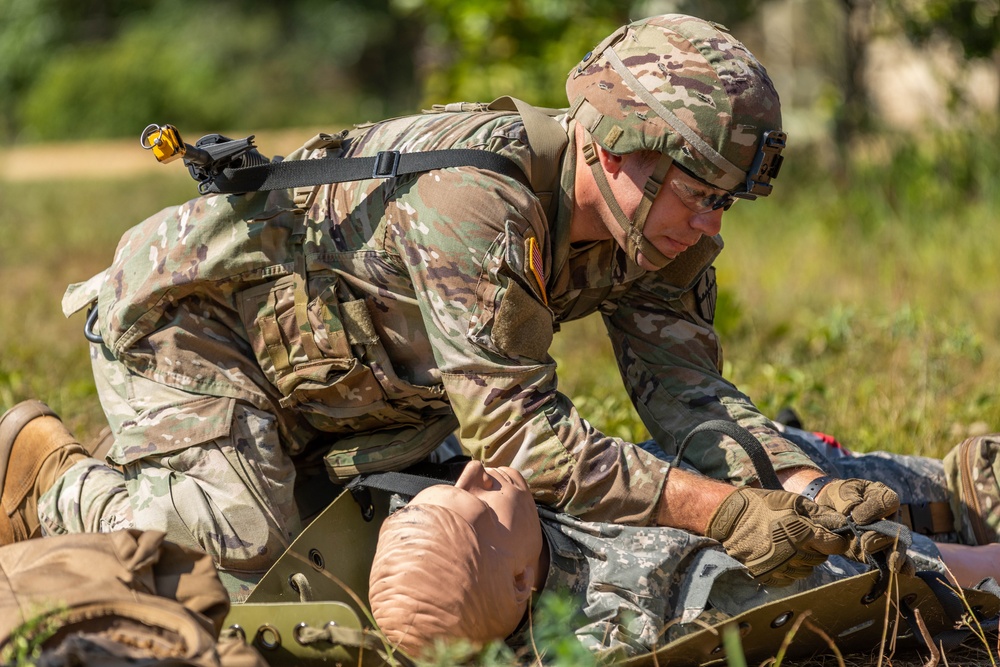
[387,164]
[758,455]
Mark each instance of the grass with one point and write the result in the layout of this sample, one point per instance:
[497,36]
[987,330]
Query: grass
[53,234]
[24,645]
[871,308]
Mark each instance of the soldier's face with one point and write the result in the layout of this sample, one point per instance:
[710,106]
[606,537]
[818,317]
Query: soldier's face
[680,215]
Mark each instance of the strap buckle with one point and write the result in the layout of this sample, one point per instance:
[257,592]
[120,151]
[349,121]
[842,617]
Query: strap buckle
[386,164]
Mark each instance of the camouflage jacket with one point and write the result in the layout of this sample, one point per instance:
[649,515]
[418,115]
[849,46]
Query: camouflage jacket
[388,312]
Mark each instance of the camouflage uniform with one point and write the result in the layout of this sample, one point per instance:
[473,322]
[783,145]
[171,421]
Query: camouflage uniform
[371,319]
[631,582]
[246,326]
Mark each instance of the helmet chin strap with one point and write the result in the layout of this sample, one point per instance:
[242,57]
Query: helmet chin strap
[635,241]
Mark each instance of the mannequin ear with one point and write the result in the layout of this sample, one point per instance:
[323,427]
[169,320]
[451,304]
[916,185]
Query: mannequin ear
[611,162]
[523,582]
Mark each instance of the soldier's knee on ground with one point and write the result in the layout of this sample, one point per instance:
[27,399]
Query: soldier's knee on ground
[223,497]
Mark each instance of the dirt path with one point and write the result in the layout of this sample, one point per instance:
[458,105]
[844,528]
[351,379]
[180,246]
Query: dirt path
[114,159]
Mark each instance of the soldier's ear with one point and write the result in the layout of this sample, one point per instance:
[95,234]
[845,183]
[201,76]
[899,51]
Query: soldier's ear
[611,162]
[523,582]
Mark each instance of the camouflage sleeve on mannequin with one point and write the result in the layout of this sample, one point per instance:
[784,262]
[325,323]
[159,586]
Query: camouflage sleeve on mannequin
[670,358]
[469,258]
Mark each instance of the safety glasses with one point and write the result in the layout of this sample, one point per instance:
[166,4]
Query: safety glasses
[697,196]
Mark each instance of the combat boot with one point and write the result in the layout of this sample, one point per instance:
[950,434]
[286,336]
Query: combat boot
[35,450]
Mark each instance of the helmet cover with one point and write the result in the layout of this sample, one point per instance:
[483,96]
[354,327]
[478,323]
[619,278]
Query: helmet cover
[681,86]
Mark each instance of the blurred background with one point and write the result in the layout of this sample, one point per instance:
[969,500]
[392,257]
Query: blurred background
[86,69]
[864,293]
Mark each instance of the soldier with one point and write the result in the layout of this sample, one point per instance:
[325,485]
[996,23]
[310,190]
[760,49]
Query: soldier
[360,323]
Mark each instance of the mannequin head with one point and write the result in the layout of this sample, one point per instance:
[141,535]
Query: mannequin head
[458,562]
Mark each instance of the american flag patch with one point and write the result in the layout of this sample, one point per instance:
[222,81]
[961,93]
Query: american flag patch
[534,254]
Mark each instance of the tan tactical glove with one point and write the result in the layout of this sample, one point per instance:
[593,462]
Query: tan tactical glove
[865,502]
[861,500]
[779,536]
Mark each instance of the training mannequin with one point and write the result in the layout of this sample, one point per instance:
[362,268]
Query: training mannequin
[461,562]
[483,535]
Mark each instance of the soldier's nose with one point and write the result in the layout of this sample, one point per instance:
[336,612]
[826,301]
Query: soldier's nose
[709,223]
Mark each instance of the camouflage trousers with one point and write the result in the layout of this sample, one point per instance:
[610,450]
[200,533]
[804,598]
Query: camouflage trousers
[231,495]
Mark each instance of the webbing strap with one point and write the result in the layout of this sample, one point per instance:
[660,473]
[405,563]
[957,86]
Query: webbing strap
[635,241]
[649,191]
[745,439]
[387,164]
[547,141]
[420,476]
[879,560]
[405,484]
[705,568]
[769,480]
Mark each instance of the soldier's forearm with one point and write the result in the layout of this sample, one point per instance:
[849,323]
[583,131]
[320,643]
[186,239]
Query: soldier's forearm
[689,500]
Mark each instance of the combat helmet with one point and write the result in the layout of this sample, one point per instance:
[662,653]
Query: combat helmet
[685,88]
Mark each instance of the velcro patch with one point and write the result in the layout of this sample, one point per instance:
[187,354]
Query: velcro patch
[613,135]
[705,295]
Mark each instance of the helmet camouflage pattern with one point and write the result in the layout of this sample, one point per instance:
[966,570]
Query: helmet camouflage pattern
[683,87]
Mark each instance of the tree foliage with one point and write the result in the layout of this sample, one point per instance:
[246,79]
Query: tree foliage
[68,73]
[72,69]
[975,24]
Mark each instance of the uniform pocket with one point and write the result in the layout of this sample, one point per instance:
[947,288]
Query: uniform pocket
[167,420]
[304,347]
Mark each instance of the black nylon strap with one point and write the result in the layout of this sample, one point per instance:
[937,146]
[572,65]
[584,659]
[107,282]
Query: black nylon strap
[750,444]
[387,164]
[408,483]
[405,484]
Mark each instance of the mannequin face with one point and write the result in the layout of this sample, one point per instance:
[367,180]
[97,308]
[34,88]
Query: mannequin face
[458,561]
[497,504]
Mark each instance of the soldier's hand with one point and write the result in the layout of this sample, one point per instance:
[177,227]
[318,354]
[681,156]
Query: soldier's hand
[860,500]
[779,536]
[865,502]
